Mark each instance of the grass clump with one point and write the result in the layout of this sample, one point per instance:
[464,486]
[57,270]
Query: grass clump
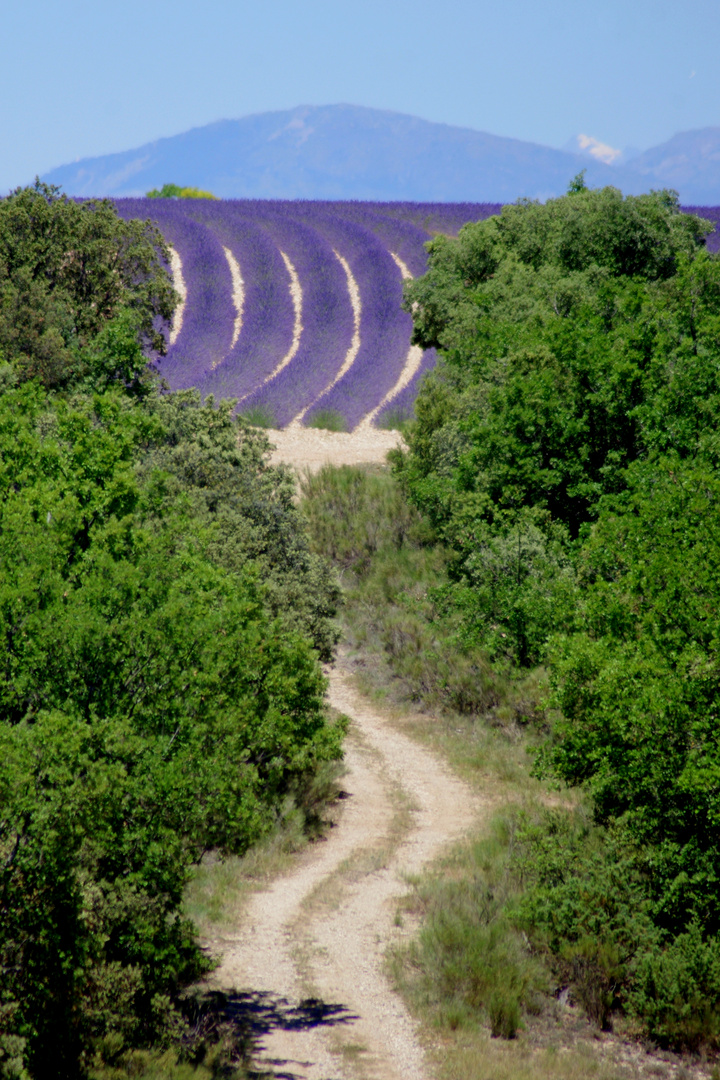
[259,416]
[395,419]
[470,962]
[327,419]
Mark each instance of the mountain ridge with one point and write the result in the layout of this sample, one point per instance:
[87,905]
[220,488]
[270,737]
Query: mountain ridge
[354,152]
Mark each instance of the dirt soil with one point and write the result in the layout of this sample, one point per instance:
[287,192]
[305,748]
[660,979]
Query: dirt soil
[312,945]
[311,448]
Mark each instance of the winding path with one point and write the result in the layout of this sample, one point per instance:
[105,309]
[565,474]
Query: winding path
[311,948]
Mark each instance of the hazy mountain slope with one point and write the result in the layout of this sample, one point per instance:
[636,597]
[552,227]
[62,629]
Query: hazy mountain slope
[340,152]
[689,162]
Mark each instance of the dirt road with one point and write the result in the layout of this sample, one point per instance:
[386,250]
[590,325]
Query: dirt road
[310,952]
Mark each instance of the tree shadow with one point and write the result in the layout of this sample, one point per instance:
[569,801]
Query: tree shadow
[257,1013]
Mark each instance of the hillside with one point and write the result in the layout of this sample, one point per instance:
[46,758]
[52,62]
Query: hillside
[340,152]
[689,163]
[294,309]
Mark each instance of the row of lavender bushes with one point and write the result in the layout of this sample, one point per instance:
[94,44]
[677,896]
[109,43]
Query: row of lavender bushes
[309,233]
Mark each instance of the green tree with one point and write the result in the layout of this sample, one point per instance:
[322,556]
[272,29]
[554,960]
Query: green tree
[174,191]
[569,333]
[638,688]
[68,269]
[152,705]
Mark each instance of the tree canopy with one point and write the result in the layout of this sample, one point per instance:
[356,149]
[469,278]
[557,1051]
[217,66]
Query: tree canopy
[161,625]
[566,450]
[69,272]
[174,191]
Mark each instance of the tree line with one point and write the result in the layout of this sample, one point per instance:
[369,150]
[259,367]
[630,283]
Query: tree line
[565,451]
[162,623]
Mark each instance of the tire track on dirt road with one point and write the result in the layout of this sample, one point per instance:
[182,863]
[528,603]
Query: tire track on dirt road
[311,946]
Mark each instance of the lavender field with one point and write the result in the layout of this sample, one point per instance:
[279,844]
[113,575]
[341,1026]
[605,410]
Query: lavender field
[294,308]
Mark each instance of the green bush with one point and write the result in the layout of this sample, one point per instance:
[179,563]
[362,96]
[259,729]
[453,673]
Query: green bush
[327,419]
[676,991]
[470,959]
[394,574]
[133,539]
[575,338]
[68,272]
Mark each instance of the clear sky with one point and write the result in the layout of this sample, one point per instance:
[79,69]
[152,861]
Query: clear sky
[86,77]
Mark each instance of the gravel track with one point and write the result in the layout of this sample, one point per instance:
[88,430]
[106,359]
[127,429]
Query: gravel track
[311,946]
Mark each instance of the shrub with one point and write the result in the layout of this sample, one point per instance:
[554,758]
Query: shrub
[328,419]
[259,416]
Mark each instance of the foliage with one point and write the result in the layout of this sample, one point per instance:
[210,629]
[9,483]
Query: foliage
[218,465]
[173,191]
[587,903]
[133,539]
[394,579]
[570,332]
[68,271]
[565,451]
[638,688]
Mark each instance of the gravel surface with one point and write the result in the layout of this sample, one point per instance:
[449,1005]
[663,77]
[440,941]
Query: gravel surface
[311,448]
[311,946]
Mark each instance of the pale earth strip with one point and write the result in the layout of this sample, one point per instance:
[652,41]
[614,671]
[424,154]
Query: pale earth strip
[412,363]
[354,293]
[322,930]
[238,295]
[296,296]
[181,288]
[309,448]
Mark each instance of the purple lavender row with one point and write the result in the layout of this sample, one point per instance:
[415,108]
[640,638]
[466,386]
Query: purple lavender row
[384,327]
[327,318]
[208,316]
[267,314]
[402,405]
[401,237]
[435,218]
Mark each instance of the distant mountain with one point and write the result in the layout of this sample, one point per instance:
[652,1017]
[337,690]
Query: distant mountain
[340,152]
[689,162]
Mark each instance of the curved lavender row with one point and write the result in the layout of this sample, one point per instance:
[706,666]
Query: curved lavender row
[438,217]
[403,403]
[209,315]
[402,237]
[384,327]
[268,314]
[327,319]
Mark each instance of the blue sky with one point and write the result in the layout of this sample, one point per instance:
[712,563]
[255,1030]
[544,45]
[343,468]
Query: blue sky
[81,78]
